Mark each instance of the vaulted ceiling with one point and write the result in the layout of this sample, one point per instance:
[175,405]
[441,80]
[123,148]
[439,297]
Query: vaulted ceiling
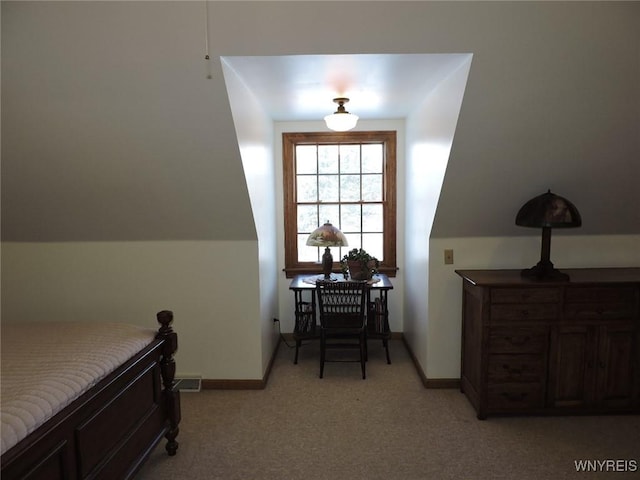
[113,129]
[379,86]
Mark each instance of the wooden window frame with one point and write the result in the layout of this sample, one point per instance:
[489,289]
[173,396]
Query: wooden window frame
[289,141]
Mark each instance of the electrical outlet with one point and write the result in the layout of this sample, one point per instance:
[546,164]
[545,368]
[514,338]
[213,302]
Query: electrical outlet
[448,257]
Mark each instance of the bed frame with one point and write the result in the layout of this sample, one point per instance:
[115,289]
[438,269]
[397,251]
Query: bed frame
[109,431]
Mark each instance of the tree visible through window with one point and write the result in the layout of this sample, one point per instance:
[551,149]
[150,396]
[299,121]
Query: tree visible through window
[347,179]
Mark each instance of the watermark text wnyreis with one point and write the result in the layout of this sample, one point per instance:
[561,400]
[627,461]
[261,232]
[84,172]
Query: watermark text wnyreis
[607,465]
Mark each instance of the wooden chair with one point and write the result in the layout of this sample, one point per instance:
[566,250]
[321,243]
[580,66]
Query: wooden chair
[341,307]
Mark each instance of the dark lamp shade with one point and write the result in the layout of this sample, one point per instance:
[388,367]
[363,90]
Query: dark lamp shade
[548,210]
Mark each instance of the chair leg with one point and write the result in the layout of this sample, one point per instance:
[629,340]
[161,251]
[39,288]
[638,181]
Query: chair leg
[385,342]
[322,352]
[366,346]
[363,354]
[295,359]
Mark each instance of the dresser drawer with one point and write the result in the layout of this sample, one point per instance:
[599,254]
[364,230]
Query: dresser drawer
[525,295]
[599,311]
[601,295]
[516,368]
[524,312]
[517,340]
[515,396]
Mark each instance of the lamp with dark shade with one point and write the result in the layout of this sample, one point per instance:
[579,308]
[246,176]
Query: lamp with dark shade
[547,211]
[327,236]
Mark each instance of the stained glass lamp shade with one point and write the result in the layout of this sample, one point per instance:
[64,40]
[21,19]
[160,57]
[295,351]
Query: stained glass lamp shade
[327,236]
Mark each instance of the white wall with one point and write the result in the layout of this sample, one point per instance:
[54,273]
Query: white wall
[442,359]
[209,285]
[430,134]
[254,130]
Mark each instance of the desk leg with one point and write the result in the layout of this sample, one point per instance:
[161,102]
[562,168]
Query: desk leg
[305,315]
[378,320]
[385,322]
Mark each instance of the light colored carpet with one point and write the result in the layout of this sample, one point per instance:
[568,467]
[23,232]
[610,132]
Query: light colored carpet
[385,427]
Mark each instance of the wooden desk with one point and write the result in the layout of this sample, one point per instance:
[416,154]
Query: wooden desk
[541,347]
[304,290]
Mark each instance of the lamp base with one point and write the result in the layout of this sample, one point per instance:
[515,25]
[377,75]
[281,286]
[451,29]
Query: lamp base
[327,263]
[544,272]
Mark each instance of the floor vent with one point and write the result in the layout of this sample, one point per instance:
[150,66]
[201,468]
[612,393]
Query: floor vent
[187,384]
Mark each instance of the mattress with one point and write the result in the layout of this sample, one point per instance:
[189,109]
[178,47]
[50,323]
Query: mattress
[47,365]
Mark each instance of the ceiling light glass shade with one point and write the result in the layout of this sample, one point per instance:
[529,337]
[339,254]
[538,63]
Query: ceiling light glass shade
[327,236]
[341,120]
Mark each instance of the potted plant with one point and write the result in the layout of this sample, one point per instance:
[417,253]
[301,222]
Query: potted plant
[360,264]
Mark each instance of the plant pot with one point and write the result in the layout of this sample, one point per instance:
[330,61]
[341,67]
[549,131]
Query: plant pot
[359,271]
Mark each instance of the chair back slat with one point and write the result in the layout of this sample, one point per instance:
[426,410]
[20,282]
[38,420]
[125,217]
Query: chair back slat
[341,304]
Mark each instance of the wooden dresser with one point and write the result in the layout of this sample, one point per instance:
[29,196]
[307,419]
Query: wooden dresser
[537,347]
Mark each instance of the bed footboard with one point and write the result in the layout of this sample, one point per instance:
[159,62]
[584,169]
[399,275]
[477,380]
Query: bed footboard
[168,371]
[110,430]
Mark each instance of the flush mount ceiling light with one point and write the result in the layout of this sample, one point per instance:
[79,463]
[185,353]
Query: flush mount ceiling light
[341,120]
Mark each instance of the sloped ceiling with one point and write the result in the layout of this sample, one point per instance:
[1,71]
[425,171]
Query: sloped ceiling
[111,130]
[379,86]
[114,127]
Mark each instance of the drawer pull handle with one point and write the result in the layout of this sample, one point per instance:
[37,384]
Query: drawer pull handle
[514,397]
[512,371]
[518,340]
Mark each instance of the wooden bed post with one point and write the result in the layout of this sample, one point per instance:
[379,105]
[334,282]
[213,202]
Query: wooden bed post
[168,371]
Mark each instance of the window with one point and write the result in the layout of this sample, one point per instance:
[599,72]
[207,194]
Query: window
[348,179]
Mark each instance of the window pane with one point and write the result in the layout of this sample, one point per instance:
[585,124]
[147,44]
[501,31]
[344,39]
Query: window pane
[349,158]
[354,239]
[327,158]
[349,188]
[372,188]
[306,189]
[350,218]
[328,188]
[372,218]
[372,155]
[372,243]
[339,252]
[306,254]
[340,178]
[307,218]
[306,159]
[329,213]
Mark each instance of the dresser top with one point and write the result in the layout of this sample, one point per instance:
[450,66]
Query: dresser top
[576,276]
